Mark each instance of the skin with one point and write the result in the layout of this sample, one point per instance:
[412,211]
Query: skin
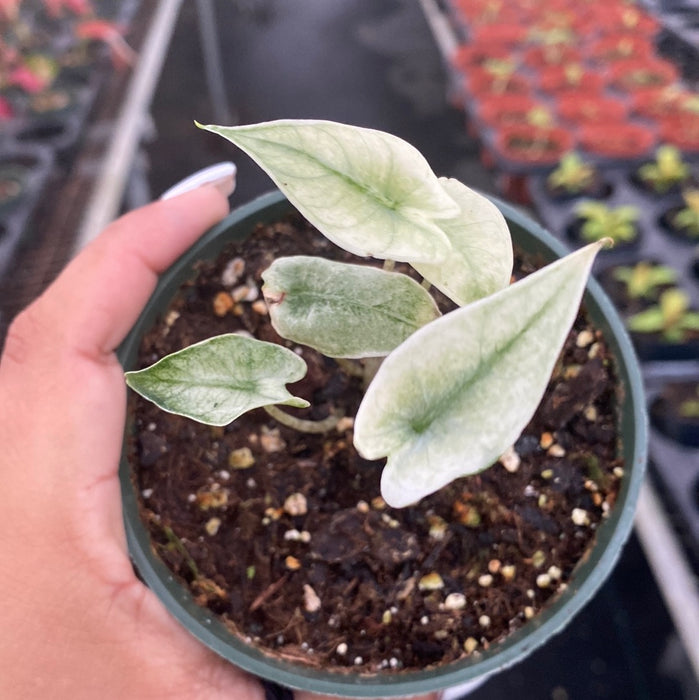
[76,621]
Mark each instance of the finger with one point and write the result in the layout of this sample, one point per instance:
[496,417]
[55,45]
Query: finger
[118,272]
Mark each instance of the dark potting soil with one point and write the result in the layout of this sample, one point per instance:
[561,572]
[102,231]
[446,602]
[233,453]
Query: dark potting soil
[284,535]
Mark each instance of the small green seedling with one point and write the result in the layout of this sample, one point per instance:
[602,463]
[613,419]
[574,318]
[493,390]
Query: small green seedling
[452,391]
[644,278]
[540,116]
[600,222]
[672,317]
[666,171]
[574,73]
[689,408]
[687,218]
[572,174]
[501,71]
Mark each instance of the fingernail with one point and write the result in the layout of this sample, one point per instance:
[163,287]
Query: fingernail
[221,176]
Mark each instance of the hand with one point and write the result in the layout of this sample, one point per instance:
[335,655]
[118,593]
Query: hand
[76,622]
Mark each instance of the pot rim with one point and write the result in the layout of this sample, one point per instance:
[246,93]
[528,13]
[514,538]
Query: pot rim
[590,573]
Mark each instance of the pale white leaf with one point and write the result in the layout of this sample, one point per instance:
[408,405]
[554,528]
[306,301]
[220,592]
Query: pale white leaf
[344,310]
[481,259]
[368,191]
[219,379]
[458,392]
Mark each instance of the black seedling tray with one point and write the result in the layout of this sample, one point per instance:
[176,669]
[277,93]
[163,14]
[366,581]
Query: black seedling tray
[674,466]
[37,163]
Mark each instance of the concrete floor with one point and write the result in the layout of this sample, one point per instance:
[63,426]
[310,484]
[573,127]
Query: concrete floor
[376,64]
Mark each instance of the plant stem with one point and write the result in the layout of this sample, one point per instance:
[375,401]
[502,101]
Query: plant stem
[349,367]
[371,367]
[177,543]
[368,367]
[301,424]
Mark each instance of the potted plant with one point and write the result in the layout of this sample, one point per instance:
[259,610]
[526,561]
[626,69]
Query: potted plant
[582,108]
[657,102]
[485,12]
[555,80]
[675,412]
[668,330]
[683,220]
[635,20]
[495,111]
[642,73]
[374,180]
[622,141]
[664,174]
[595,221]
[620,17]
[468,56]
[547,54]
[496,77]
[532,145]
[619,47]
[574,177]
[634,287]
[682,130]
[499,33]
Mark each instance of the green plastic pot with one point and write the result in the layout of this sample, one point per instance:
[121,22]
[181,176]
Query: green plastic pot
[589,576]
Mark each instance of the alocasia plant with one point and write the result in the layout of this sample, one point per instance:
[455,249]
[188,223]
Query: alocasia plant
[453,391]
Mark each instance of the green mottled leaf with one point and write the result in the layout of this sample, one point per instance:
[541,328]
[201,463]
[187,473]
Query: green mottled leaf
[481,260]
[344,310]
[452,398]
[219,379]
[367,191]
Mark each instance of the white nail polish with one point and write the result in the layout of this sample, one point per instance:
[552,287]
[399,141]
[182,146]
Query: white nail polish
[221,175]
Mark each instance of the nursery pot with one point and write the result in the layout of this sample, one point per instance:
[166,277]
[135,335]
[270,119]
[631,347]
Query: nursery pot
[680,130]
[468,56]
[578,108]
[504,110]
[642,73]
[657,103]
[590,573]
[534,146]
[617,140]
[619,47]
[543,56]
[557,80]
[500,34]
